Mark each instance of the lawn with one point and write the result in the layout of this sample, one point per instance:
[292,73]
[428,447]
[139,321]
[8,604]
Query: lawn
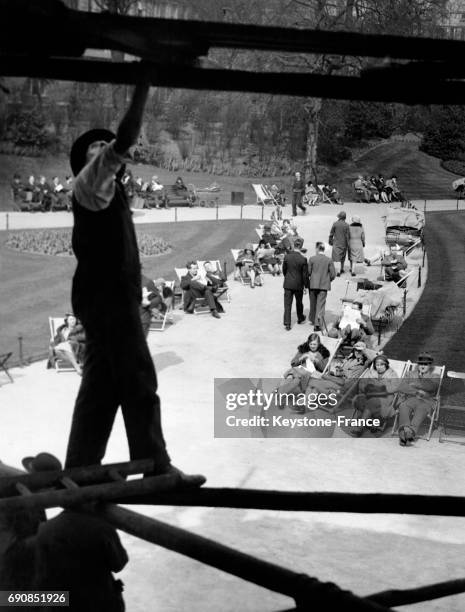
[34,287]
[59,166]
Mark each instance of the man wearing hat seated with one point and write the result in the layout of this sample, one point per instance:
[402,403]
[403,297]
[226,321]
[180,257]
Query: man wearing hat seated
[417,398]
[394,265]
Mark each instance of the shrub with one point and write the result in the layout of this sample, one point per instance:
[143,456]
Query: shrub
[58,242]
[454,165]
[27,129]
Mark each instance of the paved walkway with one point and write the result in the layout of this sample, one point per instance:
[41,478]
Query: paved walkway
[363,553]
[24,220]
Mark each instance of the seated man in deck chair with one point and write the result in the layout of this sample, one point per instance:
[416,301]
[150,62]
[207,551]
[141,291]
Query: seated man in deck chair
[394,264]
[216,279]
[196,286]
[343,371]
[417,398]
[352,328]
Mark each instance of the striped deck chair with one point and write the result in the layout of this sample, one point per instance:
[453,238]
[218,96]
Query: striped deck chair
[264,196]
[158,321]
[235,253]
[433,417]
[61,365]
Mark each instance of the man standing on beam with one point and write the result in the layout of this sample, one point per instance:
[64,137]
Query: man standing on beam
[106,295]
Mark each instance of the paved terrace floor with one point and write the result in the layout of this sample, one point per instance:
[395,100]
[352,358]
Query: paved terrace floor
[359,552]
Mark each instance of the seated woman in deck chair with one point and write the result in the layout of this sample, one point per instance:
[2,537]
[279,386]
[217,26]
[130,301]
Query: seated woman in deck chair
[247,266]
[312,355]
[375,400]
[69,342]
[167,295]
[265,255]
[343,372]
[311,194]
[280,200]
[417,400]
[331,193]
[309,361]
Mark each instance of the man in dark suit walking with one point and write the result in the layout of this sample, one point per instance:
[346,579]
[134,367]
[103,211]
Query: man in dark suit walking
[295,272]
[321,273]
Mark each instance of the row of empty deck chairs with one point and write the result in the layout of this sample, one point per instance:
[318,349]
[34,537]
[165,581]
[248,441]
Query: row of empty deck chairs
[265,196]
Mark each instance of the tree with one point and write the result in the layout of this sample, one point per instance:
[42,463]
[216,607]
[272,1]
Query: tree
[444,136]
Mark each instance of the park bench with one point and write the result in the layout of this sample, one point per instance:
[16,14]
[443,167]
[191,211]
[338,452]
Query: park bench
[173,198]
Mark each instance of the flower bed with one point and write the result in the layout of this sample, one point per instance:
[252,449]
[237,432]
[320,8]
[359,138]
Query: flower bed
[58,242]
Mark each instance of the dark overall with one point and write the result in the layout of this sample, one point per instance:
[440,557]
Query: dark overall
[118,369]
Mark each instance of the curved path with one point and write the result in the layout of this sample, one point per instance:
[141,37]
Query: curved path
[438,322]
[356,551]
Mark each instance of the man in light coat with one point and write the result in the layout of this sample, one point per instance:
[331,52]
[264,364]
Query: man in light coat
[321,273]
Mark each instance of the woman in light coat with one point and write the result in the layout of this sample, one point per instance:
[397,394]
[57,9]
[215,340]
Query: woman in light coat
[356,243]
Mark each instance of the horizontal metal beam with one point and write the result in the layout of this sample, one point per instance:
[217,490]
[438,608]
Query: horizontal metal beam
[24,22]
[407,91]
[298,501]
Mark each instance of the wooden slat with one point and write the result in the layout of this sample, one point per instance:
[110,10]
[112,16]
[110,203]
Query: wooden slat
[410,91]
[309,593]
[64,498]
[23,20]
[82,475]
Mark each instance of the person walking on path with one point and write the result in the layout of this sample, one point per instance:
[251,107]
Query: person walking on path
[298,191]
[118,368]
[295,272]
[339,239]
[321,273]
[356,243]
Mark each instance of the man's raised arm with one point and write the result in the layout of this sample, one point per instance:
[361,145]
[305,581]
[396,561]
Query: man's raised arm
[129,128]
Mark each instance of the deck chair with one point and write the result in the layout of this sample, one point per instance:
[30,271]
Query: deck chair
[332,344]
[158,321]
[235,254]
[3,360]
[452,422]
[200,305]
[222,293]
[264,196]
[61,365]
[322,195]
[399,368]
[434,416]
